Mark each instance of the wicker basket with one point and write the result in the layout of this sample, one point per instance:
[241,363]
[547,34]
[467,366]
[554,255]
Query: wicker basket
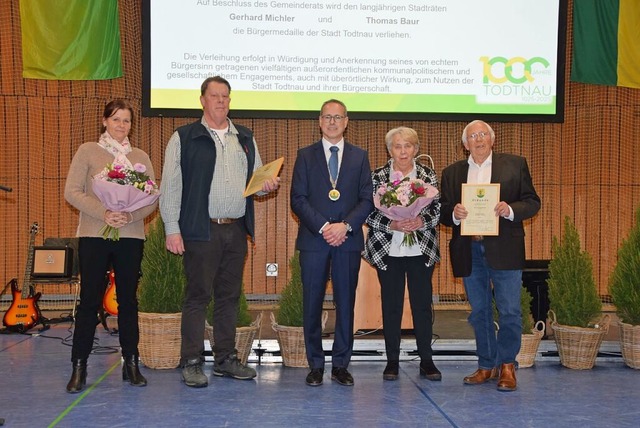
[529,347]
[630,344]
[291,342]
[244,338]
[159,340]
[577,346]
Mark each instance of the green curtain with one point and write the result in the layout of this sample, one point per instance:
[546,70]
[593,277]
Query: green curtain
[70,39]
[606,42]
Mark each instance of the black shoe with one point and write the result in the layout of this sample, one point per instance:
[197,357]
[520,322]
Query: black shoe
[78,376]
[391,371]
[314,378]
[429,371]
[342,376]
[131,371]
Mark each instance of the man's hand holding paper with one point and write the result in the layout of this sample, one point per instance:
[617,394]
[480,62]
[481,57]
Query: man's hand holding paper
[265,179]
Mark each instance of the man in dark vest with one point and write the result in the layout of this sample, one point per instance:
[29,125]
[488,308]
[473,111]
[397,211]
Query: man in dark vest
[207,166]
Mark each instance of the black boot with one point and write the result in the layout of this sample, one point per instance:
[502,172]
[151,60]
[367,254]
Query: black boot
[78,376]
[429,370]
[391,371]
[131,372]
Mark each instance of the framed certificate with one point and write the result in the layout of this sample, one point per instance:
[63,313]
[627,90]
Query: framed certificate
[480,200]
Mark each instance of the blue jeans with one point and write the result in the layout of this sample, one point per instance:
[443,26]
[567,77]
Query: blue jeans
[493,351]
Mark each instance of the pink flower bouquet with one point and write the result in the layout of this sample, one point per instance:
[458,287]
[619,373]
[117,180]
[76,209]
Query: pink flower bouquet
[123,189]
[404,198]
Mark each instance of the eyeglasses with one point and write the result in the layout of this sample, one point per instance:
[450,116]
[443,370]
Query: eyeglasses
[337,118]
[478,135]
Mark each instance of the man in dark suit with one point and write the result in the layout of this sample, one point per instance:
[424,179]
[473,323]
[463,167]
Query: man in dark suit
[332,195]
[484,261]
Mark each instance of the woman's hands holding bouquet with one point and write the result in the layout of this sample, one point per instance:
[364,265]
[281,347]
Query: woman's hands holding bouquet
[407,225]
[116,219]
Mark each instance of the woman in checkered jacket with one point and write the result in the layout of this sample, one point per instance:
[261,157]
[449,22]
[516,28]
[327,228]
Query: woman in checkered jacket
[396,262]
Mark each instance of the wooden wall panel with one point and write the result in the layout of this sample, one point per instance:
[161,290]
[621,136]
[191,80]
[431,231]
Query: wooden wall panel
[9,47]
[585,168]
[31,162]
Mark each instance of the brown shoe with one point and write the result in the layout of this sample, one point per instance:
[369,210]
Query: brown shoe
[507,381]
[481,376]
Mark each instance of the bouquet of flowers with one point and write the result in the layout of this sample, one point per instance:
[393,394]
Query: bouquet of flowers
[404,198]
[122,188]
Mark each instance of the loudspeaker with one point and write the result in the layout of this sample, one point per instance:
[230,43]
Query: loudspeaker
[534,279]
[67,242]
[52,262]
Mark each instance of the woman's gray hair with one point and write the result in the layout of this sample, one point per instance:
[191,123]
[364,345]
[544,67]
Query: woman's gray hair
[407,134]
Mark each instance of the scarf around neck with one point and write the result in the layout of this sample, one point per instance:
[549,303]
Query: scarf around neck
[118,150]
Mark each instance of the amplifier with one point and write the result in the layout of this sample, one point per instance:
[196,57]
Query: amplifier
[52,262]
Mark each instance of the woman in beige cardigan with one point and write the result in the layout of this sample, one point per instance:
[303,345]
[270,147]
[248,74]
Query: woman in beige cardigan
[97,254]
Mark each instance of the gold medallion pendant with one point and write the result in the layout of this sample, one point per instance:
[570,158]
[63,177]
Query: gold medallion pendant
[334,194]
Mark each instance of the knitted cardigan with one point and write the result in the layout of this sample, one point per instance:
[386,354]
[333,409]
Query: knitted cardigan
[88,161]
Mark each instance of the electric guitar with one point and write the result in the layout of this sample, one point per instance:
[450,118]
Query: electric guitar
[24,313]
[110,300]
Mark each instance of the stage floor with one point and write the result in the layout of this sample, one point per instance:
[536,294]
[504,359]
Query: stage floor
[35,369]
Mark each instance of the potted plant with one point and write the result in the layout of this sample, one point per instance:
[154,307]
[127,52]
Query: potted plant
[288,323]
[624,286]
[575,307]
[531,334]
[160,295]
[246,329]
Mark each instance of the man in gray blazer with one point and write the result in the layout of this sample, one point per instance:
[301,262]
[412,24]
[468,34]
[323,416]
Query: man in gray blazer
[486,261]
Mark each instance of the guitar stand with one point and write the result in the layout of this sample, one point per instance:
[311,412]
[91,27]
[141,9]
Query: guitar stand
[44,327]
[20,329]
[48,321]
[46,324]
[102,319]
[6,330]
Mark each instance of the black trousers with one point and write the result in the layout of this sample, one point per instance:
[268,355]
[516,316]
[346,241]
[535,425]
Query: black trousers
[96,255]
[392,282]
[213,268]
